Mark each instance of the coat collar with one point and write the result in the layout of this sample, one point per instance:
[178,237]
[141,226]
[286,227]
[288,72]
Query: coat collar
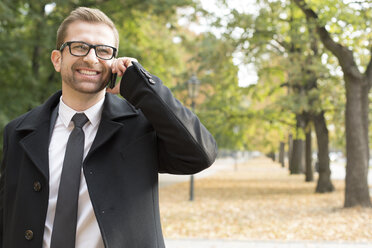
[34,130]
[117,108]
[113,108]
[36,125]
[39,115]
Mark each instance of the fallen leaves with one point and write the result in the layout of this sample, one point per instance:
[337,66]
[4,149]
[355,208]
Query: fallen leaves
[261,201]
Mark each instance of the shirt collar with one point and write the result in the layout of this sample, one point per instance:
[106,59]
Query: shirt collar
[94,113]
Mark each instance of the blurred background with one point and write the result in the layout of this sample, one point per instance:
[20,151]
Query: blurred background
[285,79]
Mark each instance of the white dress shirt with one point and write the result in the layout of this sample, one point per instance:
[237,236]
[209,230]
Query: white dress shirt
[88,234]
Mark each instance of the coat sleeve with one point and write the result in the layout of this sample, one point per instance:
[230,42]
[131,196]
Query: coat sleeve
[184,145]
[2,184]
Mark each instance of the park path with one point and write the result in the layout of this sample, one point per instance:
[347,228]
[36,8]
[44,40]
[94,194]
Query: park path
[229,164]
[184,243]
[219,165]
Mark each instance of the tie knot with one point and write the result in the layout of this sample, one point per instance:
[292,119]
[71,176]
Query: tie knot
[79,119]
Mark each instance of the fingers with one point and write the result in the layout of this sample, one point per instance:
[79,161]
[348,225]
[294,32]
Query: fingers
[120,65]
[115,90]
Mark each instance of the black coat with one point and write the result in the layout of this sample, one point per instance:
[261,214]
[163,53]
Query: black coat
[148,133]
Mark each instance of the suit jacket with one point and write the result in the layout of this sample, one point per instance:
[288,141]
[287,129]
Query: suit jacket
[148,133]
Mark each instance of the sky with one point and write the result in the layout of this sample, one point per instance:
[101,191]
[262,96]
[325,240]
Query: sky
[247,74]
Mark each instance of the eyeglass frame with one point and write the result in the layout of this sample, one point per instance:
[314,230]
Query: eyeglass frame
[68,43]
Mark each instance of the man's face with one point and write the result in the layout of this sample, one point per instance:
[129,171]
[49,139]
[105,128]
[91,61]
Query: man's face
[88,74]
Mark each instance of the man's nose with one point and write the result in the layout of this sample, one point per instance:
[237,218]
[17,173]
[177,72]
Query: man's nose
[91,57]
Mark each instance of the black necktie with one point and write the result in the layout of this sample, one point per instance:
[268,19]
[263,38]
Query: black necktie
[65,220]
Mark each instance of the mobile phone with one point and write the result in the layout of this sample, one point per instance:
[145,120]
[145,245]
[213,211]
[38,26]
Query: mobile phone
[112,82]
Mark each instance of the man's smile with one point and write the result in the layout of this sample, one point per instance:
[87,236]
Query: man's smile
[88,72]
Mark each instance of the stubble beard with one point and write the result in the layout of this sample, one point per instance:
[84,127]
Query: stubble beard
[84,86]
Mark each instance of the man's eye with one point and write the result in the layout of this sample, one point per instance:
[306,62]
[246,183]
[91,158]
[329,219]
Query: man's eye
[80,47]
[102,50]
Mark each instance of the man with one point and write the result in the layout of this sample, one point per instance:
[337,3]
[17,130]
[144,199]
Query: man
[124,145]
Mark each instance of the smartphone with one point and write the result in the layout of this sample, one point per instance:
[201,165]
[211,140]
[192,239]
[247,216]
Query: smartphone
[112,82]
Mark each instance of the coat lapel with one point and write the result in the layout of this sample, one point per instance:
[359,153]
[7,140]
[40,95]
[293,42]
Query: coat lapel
[35,130]
[114,110]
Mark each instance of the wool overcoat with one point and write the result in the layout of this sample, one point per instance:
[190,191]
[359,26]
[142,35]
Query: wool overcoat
[146,133]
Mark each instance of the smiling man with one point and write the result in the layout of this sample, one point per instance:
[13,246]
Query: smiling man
[81,170]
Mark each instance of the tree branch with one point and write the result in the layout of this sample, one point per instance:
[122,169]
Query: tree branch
[343,54]
[278,47]
[283,44]
[324,35]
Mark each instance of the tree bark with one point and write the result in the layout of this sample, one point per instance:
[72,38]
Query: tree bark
[271,155]
[356,184]
[309,175]
[297,156]
[324,180]
[289,153]
[281,153]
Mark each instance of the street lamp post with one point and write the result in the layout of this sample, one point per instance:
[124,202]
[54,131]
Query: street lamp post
[193,89]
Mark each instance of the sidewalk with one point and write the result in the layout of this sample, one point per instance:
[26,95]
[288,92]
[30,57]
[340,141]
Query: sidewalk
[200,243]
[219,165]
[228,164]
[337,168]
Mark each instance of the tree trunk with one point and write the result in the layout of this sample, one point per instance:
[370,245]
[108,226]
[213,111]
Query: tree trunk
[365,111]
[356,190]
[357,88]
[281,153]
[289,153]
[297,156]
[324,180]
[308,159]
[271,155]
[37,8]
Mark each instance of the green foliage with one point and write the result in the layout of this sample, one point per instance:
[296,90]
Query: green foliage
[297,76]
[276,38]
[148,39]
[27,37]
[350,24]
[220,98]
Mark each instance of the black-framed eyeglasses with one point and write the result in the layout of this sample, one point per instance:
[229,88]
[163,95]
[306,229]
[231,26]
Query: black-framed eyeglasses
[81,49]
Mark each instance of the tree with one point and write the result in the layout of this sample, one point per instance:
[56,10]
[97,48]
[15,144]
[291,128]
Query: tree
[277,38]
[357,87]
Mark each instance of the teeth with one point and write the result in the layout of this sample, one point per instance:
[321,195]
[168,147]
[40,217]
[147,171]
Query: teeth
[88,72]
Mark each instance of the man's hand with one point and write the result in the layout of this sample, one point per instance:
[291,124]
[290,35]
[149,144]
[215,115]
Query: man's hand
[119,66]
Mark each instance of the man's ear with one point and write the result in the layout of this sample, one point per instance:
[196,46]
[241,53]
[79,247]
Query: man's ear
[56,58]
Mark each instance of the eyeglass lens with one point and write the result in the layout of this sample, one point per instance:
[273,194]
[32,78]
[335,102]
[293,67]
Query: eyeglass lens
[82,49]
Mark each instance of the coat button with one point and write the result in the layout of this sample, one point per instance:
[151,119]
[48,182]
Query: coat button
[29,234]
[146,73]
[37,186]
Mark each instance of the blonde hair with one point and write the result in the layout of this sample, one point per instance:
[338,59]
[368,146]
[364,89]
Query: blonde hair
[86,15]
